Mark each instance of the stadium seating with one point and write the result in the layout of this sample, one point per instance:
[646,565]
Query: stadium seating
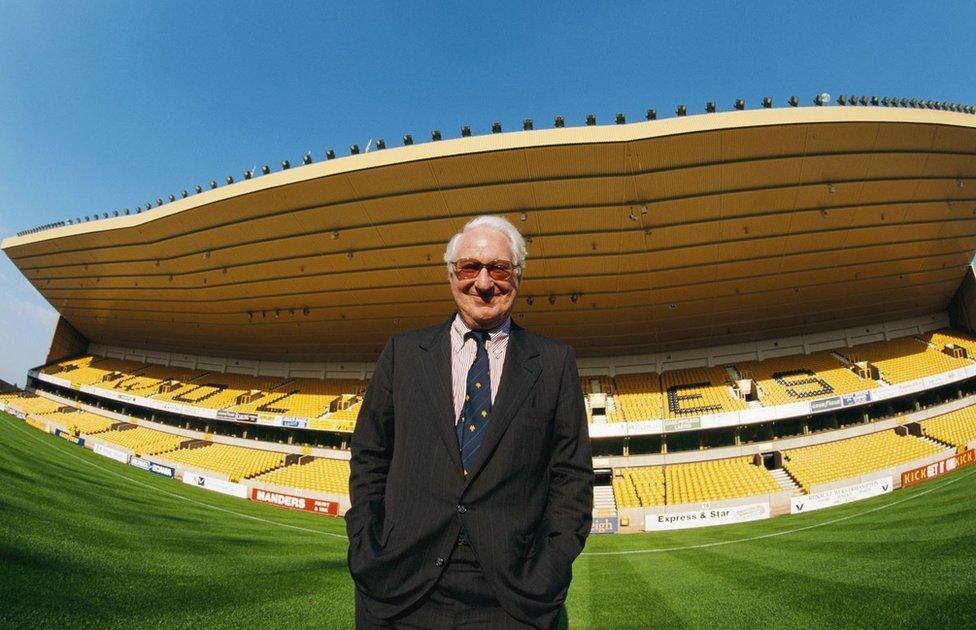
[641,486]
[336,400]
[638,397]
[143,441]
[904,359]
[236,462]
[842,459]
[333,404]
[717,479]
[82,422]
[941,338]
[957,428]
[698,391]
[34,405]
[797,378]
[321,474]
[695,482]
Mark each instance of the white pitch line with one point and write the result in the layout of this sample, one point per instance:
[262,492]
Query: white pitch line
[722,543]
[181,497]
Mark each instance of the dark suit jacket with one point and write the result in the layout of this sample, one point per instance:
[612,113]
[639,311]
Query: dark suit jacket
[526,504]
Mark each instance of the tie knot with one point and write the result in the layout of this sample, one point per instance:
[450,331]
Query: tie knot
[479,336]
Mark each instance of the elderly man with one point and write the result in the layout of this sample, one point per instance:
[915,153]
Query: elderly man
[472,481]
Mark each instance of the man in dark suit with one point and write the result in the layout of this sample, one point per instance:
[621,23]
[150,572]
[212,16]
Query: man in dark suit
[472,479]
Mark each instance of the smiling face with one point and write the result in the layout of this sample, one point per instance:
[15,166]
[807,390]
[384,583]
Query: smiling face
[482,301]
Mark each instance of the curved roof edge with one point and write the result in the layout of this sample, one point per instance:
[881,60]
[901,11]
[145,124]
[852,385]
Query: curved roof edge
[596,134]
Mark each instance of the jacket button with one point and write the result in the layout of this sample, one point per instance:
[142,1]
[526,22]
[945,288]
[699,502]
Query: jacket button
[439,562]
[461,509]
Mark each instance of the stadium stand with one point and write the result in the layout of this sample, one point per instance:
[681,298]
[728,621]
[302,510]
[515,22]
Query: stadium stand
[82,422]
[698,391]
[691,483]
[641,486]
[717,479]
[637,397]
[334,399]
[333,404]
[236,462]
[904,359]
[142,440]
[319,474]
[34,405]
[824,463]
[957,428]
[796,378]
[946,339]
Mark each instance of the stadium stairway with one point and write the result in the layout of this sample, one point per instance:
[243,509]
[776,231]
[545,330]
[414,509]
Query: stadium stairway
[936,441]
[603,501]
[786,482]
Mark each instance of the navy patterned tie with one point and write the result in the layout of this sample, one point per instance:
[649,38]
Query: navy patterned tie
[477,403]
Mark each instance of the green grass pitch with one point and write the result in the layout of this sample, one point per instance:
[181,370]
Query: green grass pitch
[87,541]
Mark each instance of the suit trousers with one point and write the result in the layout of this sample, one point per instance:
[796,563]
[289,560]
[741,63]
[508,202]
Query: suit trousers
[460,599]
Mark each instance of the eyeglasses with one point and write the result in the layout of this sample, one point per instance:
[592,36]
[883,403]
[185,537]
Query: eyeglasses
[469,268]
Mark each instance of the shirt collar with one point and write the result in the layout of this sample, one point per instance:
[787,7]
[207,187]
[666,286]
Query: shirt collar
[497,334]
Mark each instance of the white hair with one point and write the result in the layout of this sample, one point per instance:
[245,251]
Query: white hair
[493,222]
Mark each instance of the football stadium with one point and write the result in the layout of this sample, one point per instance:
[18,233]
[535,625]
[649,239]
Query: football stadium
[773,309]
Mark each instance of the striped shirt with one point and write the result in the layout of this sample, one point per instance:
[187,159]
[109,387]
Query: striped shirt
[463,351]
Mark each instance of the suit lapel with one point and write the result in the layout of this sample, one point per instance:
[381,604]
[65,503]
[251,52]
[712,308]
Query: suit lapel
[437,384]
[521,370]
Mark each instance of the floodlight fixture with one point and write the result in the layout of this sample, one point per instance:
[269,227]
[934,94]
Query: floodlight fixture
[841,100]
[229,180]
[496,127]
[590,120]
[248,174]
[172,197]
[265,169]
[740,104]
[380,144]
[285,165]
[863,100]
[198,189]
[821,99]
[183,194]
[529,300]
[159,201]
[559,121]
[435,135]
[886,101]
[213,184]
[651,114]
[681,110]
[710,107]
[465,131]
[552,298]
[767,102]
[407,139]
[354,149]
[620,119]
[794,101]
[875,100]
[574,298]
[307,158]
[527,125]
[330,154]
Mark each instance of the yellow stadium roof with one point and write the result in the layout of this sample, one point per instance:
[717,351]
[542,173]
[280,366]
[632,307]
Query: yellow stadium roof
[644,237]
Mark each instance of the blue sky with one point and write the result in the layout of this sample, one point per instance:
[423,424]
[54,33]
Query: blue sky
[105,105]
